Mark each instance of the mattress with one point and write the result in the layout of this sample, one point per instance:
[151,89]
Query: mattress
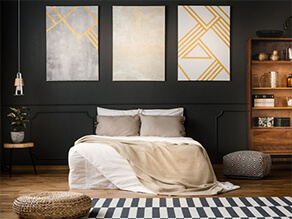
[99,166]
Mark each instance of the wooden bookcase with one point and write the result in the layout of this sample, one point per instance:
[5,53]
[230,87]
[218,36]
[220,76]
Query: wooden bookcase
[271,140]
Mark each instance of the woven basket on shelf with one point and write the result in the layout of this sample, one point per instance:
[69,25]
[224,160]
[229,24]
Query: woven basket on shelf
[52,205]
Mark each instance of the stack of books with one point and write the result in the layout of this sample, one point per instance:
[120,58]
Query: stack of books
[272,122]
[263,100]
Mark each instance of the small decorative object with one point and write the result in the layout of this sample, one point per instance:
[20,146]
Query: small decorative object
[275,56]
[18,123]
[270,33]
[266,121]
[289,101]
[263,56]
[255,80]
[289,54]
[274,78]
[264,81]
[289,80]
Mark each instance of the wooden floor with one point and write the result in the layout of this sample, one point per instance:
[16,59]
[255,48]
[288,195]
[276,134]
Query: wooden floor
[55,178]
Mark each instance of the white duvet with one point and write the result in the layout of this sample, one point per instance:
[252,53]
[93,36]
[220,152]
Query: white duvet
[101,167]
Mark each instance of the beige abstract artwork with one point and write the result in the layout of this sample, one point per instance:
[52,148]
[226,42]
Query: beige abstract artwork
[138,43]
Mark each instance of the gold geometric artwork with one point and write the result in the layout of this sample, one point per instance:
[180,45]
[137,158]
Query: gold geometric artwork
[203,43]
[72,43]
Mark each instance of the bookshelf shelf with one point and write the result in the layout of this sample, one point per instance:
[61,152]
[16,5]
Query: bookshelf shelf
[272,88]
[273,108]
[271,62]
[270,128]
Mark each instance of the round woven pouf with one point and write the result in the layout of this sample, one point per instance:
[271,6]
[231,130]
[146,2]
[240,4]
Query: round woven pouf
[52,205]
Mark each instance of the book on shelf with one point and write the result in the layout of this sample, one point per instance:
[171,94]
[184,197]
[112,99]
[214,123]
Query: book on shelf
[263,96]
[282,122]
[263,100]
[272,122]
[264,121]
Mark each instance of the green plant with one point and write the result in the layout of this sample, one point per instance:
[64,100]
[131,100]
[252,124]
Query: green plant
[18,116]
[287,23]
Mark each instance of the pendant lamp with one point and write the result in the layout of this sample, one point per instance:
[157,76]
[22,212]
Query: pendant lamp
[18,83]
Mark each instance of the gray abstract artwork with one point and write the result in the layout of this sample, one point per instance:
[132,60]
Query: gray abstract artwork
[72,43]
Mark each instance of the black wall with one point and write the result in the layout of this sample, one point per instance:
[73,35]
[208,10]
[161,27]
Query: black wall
[65,111]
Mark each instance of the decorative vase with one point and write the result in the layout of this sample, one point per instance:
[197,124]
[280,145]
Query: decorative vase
[274,77]
[263,56]
[275,56]
[17,137]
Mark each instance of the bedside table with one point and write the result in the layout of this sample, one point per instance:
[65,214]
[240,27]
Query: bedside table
[12,146]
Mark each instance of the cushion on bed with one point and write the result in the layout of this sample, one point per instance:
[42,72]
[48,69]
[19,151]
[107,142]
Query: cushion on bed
[118,125]
[163,126]
[163,112]
[114,112]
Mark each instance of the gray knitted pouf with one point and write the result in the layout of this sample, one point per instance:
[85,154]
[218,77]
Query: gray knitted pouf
[247,164]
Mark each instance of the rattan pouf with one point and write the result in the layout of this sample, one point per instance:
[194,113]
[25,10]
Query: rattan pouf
[52,205]
[246,164]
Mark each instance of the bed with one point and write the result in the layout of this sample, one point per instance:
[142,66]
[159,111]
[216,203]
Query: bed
[95,163]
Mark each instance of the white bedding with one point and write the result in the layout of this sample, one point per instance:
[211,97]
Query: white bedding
[101,167]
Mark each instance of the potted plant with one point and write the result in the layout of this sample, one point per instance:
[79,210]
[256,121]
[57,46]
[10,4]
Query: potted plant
[287,23]
[18,123]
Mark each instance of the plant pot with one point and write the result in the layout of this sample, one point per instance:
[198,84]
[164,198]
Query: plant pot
[17,137]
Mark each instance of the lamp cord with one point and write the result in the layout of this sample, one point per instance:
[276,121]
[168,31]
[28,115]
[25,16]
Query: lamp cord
[18,36]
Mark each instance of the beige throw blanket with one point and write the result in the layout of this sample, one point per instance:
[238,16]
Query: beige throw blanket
[166,168]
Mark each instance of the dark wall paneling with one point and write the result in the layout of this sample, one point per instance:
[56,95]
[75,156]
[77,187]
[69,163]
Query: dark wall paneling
[227,139]
[56,131]
[64,111]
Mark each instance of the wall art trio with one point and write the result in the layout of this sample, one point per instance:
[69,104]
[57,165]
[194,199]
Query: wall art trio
[138,43]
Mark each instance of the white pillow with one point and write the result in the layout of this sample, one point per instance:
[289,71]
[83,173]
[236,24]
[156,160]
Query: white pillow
[113,112]
[163,112]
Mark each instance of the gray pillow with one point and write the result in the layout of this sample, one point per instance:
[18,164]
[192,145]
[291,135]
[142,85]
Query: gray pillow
[163,126]
[118,125]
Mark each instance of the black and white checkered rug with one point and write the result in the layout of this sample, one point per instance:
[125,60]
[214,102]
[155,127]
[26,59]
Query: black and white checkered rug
[215,208]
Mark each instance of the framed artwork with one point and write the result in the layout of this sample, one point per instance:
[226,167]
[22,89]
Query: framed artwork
[72,43]
[203,43]
[138,43]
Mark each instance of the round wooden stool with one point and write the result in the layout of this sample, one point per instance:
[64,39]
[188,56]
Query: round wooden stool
[12,146]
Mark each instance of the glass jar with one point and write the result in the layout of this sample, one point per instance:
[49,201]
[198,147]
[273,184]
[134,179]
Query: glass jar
[264,81]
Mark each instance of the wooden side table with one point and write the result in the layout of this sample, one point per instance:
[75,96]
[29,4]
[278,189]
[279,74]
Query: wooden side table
[12,146]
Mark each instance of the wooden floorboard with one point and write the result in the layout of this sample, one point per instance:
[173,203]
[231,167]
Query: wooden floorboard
[55,178]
